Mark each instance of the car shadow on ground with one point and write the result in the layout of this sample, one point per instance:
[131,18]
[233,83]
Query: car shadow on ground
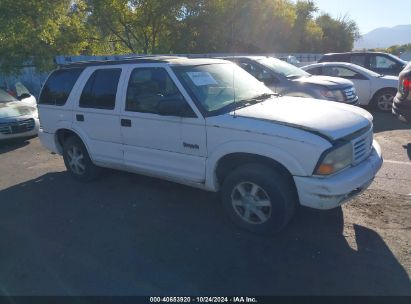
[388,122]
[13,144]
[408,149]
[127,234]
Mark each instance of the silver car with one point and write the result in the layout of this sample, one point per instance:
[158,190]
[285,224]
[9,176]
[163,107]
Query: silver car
[286,79]
[17,119]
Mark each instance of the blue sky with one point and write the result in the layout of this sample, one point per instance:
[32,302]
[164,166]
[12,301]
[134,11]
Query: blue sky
[369,14]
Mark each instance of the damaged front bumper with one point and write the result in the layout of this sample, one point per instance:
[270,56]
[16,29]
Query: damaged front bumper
[331,192]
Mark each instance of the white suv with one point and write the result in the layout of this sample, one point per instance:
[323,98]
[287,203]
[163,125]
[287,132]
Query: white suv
[209,124]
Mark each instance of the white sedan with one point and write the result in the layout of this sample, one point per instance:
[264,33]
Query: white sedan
[372,88]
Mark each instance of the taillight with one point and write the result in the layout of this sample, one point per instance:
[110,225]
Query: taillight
[405,85]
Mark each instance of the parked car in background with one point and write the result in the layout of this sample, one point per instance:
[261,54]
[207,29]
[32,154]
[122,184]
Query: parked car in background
[402,101]
[20,92]
[286,79]
[372,89]
[291,60]
[209,124]
[16,118]
[381,63]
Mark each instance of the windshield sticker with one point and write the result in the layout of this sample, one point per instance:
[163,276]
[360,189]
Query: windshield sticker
[201,78]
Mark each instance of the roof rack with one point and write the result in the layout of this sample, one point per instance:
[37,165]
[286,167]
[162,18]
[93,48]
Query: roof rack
[117,61]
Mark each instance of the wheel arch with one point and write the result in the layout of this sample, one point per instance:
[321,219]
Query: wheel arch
[230,161]
[62,134]
[381,90]
[221,162]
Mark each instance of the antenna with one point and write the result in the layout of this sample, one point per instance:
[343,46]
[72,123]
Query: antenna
[233,53]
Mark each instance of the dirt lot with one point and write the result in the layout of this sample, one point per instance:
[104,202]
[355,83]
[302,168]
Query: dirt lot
[131,235]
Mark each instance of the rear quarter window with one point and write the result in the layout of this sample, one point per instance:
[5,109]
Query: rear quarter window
[58,86]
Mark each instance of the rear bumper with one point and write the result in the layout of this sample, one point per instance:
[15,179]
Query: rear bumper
[328,193]
[48,140]
[402,109]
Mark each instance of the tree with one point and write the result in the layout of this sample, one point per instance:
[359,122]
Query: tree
[134,26]
[34,31]
[345,29]
[37,30]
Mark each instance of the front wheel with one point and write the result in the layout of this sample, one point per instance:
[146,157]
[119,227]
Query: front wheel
[258,198]
[382,101]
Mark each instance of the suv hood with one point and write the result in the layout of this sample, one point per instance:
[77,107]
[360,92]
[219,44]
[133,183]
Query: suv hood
[330,119]
[327,81]
[15,109]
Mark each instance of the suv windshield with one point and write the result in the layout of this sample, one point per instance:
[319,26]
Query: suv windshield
[6,97]
[397,59]
[220,87]
[283,68]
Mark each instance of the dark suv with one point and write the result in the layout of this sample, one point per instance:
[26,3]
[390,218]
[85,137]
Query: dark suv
[402,101]
[381,63]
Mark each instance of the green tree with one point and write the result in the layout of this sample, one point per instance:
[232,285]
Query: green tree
[338,34]
[34,31]
[135,26]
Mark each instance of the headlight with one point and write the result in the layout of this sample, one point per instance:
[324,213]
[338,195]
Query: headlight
[336,95]
[334,160]
[35,113]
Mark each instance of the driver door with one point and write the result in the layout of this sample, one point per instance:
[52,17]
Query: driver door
[172,145]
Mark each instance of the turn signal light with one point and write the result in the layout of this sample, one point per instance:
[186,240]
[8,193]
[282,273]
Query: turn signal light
[325,169]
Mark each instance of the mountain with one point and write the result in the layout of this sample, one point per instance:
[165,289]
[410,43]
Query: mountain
[383,37]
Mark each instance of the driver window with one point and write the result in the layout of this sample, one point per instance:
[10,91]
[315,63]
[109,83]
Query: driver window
[147,87]
[250,68]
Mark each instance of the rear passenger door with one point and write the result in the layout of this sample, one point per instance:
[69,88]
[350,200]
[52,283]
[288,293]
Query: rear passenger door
[155,142]
[96,114]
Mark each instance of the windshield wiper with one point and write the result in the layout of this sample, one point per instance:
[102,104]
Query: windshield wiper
[293,76]
[264,96]
[253,100]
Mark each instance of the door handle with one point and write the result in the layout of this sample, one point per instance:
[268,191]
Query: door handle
[125,122]
[80,117]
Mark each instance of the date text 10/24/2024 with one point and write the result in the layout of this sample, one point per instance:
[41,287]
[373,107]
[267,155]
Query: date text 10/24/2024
[203,300]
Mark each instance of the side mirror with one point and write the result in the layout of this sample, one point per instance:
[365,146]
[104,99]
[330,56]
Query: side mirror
[174,107]
[23,96]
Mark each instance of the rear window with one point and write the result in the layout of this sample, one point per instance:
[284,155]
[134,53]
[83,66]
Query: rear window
[58,86]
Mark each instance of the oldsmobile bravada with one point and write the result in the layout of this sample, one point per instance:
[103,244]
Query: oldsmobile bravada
[207,123]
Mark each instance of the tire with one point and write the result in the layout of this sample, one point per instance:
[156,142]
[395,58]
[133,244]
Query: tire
[270,206]
[382,101]
[81,168]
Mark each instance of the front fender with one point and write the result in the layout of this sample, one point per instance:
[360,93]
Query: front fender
[256,148]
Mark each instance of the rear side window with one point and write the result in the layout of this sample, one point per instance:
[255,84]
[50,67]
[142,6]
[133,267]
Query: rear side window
[358,60]
[58,86]
[101,89]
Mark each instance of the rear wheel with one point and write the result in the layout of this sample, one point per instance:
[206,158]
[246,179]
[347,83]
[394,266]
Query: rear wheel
[258,198]
[382,101]
[77,160]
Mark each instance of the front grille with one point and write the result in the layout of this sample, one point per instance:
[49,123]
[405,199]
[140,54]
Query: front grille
[16,127]
[362,146]
[350,94]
